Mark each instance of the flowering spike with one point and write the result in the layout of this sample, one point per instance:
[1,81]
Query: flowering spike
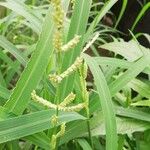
[71,44]
[57,41]
[54,120]
[55,78]
[67,100]
[62,130]
[59,134]
[85,95]
[71,69]
[59,13]
[91,42]
[77,107]
[83,70]
[53,142]
[58,18]
[42,101]
[60,107]
[73,3]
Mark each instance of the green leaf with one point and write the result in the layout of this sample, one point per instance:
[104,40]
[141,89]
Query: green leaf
[113,62]
[20,8]
[6,59]
[106,103]
[34,70]
[84,144]
[123,8]
[119,111]
[18,127]
[133,113]
[13,50]
[4,93]
[78,26]
[140,15]
[124,126]
[140,87]
[118,63]
[130,74]
[129,50]
[39,139]
[98,18]
[2,80]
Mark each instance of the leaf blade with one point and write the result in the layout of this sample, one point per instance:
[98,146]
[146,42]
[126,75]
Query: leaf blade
[106,103]
[30,76]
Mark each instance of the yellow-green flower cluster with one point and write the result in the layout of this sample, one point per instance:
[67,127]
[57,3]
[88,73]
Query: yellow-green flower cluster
[62,106]
[68,100]
[59,13]
[71,44]
[58,18]
[76,108]
[73,3]
[54,120]
[58,78]
[59,134]
[42,101]
[90,42]
[83,75]
[57,41]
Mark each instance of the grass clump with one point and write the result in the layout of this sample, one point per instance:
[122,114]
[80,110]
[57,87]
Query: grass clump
[68,80]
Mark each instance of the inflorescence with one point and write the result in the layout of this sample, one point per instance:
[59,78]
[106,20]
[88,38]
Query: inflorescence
[78,65]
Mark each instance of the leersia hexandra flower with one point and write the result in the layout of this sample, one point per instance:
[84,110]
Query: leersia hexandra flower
[59,134]
[71,44]
[66,101]
[42,101]
[58,18]
[90,42]
[70,70]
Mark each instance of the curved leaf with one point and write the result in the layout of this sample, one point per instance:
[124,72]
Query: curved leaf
[106,103]
[34,70]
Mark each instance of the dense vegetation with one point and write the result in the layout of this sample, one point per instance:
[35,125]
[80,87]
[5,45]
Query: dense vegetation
[69,80]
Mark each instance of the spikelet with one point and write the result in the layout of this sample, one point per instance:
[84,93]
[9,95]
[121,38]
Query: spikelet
[67,100]
[59,134]
[83,74]
[57,40]
[58,14]
[71,44]
[90,42]
[76,108]
[62,130]
[58,18]
[55,78]
[61,106]
[73,3]
[53,142]
[54,120]
[42,101]
[83,70]
[58,78]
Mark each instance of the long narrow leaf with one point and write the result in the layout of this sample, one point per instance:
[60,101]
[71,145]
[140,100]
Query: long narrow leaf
[98,18]
[17,127]
[130,74]
[140,15]
[106,103]
[13,50]
[124,4]
[23,10]
[34,70]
